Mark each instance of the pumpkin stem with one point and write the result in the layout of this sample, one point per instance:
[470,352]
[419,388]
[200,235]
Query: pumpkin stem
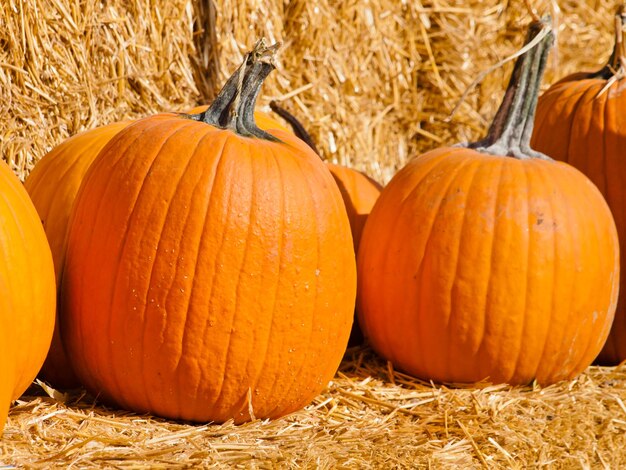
[295,124]
[233,107]
[616,65]
[512,125]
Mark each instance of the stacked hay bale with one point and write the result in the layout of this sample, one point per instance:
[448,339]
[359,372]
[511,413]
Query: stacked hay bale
[67,65]
[374,81]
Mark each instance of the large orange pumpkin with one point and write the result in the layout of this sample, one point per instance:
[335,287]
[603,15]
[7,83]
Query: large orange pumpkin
[210,272]
[490,260]
[581,120]
[27,291]
[53,184]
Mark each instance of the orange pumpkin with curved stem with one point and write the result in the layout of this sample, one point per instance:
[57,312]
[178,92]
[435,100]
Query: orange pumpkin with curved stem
[27,302]
[490,260]
[53,185]
[581,121]
[210,273]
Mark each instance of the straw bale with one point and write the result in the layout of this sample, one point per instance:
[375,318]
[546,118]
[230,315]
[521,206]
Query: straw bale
[370,416]
[374,81]
[67,65]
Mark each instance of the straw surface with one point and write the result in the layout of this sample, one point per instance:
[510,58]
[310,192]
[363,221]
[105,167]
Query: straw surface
[369,417]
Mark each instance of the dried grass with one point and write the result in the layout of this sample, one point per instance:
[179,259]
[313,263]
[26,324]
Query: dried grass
[374,81]
[369,417]
[67,65]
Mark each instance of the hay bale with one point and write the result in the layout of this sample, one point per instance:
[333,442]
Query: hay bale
[374,81]
[67,65]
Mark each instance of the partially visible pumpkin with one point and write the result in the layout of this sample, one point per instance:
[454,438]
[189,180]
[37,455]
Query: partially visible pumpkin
[52,185]
[490,261]
[210,273]
[27,291]
[581,120]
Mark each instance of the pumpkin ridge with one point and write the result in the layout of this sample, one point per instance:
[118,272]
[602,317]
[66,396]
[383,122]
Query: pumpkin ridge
[488,284]
[236,305]
[589,343]
[389,340]
[448,363]
[547,179]
[314,204]
[167,299]
[215,169]
[564,333]
[199,135]
[214,276]
[114,281]
[584,358]
[184,349]
[364,247]
[558,335]
[276,159]
[421,344]
[515,372]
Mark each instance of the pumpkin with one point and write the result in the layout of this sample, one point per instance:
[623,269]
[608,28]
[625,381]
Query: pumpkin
[359,193]
[209,272]
[28,294]
[490,261]
[53,184]
[580,120]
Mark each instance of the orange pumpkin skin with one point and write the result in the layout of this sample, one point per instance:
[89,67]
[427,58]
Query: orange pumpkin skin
[52,185]
[578,124]
[477,266]
[207,274]
[28,294]
[359,193]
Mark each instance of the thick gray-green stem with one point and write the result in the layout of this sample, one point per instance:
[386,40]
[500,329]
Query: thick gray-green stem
[512,125]
[233,107]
